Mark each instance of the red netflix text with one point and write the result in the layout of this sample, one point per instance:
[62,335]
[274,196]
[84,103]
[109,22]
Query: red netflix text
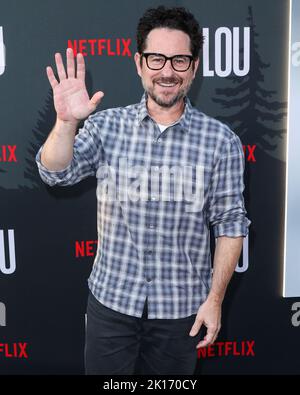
[225,349]
[8,153]
[85,248]
[14,350]
[100,47]
[249,152]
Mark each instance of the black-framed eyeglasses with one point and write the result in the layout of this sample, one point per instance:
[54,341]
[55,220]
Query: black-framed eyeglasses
[156,61]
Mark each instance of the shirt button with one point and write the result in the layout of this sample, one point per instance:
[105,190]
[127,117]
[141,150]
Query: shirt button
[148,279]
[155,168]
[153,198]
[151,226]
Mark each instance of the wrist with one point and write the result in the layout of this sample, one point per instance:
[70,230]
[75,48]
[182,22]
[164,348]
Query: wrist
[64,123]
[215,297]
[69,127]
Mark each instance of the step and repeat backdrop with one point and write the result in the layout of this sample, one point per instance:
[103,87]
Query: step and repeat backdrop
[48,237]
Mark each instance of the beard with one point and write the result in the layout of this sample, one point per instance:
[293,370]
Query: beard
[170,100]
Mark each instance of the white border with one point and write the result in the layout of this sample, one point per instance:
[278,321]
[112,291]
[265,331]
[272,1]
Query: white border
[287,149]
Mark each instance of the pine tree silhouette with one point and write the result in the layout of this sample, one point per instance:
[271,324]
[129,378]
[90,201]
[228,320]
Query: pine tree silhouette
[44,125]
[2,171]
[254,103]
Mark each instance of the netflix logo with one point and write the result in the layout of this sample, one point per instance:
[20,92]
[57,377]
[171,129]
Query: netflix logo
[86,248]
[244,348]
[8,153]
[249,153]
[13,350]
[101,47]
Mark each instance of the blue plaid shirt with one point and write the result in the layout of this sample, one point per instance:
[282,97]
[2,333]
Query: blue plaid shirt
[156,245]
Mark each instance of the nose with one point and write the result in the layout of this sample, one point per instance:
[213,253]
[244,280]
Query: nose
[167,70]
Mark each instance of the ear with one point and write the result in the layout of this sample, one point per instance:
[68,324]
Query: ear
[137,59]
[196,64]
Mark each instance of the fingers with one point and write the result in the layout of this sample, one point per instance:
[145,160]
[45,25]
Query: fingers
[196,327]
[53,81]
[70,63]
[209,338]
[70,67]
[95,100]
[80,67]
[211,335]
[60,67]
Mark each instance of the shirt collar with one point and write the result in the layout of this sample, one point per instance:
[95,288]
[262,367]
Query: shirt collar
[184,121]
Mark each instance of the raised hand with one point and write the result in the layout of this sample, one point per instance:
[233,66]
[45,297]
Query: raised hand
[71,100]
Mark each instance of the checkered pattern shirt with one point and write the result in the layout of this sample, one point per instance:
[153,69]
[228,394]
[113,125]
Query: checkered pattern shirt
[153,242]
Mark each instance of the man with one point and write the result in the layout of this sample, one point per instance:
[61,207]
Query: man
[151,291]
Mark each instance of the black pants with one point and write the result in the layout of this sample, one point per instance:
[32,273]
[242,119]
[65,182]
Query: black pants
[117,343]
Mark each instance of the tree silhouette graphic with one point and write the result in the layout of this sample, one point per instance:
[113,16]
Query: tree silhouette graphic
[1,171]
[44,124]
[255,107]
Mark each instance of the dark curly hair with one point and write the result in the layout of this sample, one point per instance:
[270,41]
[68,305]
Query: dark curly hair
[177,18]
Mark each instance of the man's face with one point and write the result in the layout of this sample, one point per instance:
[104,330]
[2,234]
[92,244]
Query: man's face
[166,87]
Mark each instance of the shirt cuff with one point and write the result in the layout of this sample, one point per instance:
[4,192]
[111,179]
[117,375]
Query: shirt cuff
[238,228]
[51,177]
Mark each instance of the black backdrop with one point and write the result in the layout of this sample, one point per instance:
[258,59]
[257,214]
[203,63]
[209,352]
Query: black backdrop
[43,299]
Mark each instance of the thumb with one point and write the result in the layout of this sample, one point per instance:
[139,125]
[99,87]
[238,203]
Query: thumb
[95,100]
[196,327]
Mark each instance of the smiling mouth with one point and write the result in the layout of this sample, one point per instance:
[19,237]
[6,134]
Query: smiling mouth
[167,85]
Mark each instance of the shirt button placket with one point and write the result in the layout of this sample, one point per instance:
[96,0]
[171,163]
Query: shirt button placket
[148,254]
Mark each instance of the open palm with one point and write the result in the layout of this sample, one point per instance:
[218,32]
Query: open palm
[71,100]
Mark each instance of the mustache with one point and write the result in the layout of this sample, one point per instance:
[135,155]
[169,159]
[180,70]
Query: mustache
[167,80]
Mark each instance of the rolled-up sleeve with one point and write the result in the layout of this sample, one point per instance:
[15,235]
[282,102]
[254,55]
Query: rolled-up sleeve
[88,153]
[226,209]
